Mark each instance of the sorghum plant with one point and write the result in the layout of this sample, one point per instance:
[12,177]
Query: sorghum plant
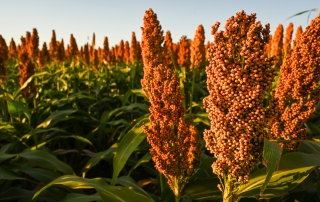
[3,58]
[92,47]
[288,40]
[297,92]
[267,48]
[277,46]
[86,55]
[106,50]
[126,54]
[95,61]
[73,47]
[238,76]
[184,53]
[53,46]
[26,69]
[43,56]
[298,34]
[120,52]
[175,144]
[133,49]
[61,53]
[33,45]
[12,50]
[170,57]
[198,53]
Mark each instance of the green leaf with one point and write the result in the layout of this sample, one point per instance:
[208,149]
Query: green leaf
[294,167]
[144,159]
[129,108]
[310,147]
[6,174]
[108,154]
[55,117]
[127,145]
[199,89]
[202,189]
[18,194]
[129,182]
[74,197]
[312,128]
[105,191]
[271,158]
[4,156]
[46,160]
[201,117]
[138,92]
[16,107]
[40,174]
[205,164]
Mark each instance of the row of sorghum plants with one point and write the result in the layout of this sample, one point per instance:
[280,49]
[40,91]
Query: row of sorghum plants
[183,53]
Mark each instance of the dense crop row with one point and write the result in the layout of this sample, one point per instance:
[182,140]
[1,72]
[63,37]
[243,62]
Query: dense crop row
[161,121]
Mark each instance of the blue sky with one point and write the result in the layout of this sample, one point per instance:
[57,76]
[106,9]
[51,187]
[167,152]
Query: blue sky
[117,19]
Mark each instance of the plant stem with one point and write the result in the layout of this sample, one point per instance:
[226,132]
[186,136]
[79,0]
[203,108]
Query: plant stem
[228,187]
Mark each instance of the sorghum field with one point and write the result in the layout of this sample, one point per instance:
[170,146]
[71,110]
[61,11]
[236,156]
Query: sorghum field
[236,119]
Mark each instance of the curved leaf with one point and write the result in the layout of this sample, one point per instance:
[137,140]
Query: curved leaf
[271,158]
[98,157]
[56,117]
[105,191]
[74,197]
[6,174]
[293,169]
[46,160]
[202,189]
[128,144]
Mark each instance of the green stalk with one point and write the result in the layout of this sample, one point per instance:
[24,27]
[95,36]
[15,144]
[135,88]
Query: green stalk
[228,188]
[5,110]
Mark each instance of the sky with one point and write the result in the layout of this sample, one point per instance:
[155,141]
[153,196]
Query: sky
[117,19]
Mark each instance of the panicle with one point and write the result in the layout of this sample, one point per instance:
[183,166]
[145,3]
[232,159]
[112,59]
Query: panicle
[26,69]
[198,52]
[33,44]
[175,144]
[153,53]
[86,55]
[43,56]
[92,47]
[184,53]
[238,76]
[277,46]
[106,51]
[139,51]
[73,47]
[298,34]
[12,50]
[53,46]
[169,57]
[120,52]
[288,40]
[126,55]
[133,49]
[297,92]
[95,59]
[4,56]
[60,51]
